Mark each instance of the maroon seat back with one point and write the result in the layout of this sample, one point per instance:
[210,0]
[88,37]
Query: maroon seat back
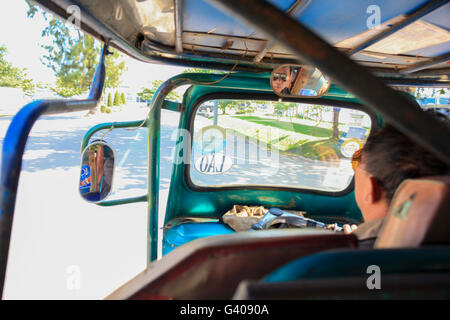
[419,214]
[212,267]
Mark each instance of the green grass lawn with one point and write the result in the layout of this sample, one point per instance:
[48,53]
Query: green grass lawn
[289,126]
[310,141]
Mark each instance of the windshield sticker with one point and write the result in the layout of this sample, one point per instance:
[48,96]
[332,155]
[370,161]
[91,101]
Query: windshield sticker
[215,163]
[210,139]
[349,147]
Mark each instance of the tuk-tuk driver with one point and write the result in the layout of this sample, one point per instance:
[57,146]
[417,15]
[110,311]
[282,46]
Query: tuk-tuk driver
[282,80]
[388,158]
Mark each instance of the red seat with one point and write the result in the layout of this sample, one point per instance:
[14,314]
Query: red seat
[419,214]
[212,267]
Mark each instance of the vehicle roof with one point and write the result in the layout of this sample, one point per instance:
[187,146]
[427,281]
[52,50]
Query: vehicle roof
[195,33]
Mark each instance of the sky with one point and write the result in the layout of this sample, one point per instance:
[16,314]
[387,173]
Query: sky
[23,42]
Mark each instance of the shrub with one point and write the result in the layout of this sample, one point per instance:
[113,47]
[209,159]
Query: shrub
[116,101]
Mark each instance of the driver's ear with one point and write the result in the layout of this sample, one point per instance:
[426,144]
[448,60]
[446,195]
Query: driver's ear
[375,193]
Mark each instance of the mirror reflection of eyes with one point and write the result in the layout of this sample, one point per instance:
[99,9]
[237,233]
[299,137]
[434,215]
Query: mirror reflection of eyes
[304,81]
[281,76]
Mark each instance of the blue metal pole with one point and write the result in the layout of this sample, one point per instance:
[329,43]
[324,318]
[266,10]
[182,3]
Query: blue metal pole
[14,146]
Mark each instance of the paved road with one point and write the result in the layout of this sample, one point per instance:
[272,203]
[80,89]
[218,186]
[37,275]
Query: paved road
[63,247]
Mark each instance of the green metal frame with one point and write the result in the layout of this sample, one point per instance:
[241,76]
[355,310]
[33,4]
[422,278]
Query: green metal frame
[259,83]
[197,203]
[184,201]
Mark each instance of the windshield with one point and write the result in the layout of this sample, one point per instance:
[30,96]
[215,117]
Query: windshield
[274,144]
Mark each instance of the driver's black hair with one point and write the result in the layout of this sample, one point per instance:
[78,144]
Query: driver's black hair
[391,157]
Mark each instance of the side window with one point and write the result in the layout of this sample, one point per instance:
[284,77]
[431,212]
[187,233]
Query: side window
[268,143]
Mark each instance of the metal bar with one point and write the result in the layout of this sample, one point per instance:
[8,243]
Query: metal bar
[426,64]
[432,83]
[213,58]
[403,113]
[298,7]
[264,51]
[295,9]
[171,106]
[108,125]
[95,27]
[415,15]
[189,35]
[117,202]
[390,55]
[14,146]
[441,73]
[178,25]
[153,125]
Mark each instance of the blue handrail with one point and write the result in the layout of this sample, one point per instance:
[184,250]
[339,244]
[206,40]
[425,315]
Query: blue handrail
[14,146]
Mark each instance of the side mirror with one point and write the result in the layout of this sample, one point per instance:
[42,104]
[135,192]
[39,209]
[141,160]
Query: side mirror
[97,168]
[299,81]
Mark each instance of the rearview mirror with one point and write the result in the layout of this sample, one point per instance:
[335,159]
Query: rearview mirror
[97,168]
[299,81]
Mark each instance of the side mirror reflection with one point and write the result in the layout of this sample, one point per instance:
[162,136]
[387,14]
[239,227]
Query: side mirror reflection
[97,168]
[299,81]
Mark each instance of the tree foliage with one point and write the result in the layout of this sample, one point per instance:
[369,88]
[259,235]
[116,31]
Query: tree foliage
[73,57]
[116,101]
[14,77]
[197,70]
[223,105]
[109,102]
[146,94]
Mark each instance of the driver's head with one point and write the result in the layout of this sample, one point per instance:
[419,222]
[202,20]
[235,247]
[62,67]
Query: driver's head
[388,158]
[282,80]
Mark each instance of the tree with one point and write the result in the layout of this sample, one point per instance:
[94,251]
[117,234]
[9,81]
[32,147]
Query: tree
[146,94]
[196,70]
[116,101]
[109,103]
[292,110]
[73,57]
[224,104]
[279,108]
[336,122]
[122,98]
[14,77]
[314,112]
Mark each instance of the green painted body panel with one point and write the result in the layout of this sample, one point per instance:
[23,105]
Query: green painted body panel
[188,201]
[184,201]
